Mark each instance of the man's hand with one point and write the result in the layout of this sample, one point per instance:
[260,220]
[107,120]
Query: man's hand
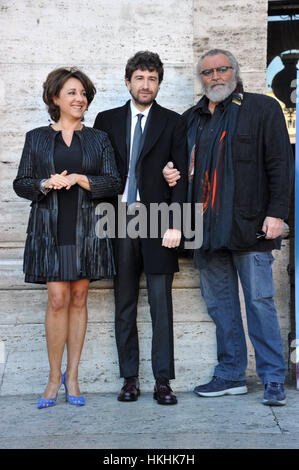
[171,174]
[172,238]
[273,227]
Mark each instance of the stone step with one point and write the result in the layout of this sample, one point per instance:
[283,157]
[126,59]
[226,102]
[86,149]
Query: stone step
[23,342]
[12,276]
[11,250]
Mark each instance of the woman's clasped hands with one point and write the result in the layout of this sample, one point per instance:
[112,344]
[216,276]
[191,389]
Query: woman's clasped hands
[62,180]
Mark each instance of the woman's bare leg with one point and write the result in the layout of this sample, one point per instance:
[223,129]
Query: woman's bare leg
[76,332]
[56,325]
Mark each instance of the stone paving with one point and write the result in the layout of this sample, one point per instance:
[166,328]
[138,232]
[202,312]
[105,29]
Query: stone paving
[229,422]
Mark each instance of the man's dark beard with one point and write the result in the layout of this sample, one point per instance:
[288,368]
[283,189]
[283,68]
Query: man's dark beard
[144,103]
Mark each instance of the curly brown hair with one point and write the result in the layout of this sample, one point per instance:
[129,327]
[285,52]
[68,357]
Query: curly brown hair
[54,83]
[144,60]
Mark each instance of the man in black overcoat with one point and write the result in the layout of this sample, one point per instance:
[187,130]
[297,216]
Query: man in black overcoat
[145,136]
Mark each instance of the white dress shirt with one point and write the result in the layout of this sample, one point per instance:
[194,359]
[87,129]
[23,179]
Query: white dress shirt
[134,119]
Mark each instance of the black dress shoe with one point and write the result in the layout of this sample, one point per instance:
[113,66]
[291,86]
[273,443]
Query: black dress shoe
[130,390]
[163,394]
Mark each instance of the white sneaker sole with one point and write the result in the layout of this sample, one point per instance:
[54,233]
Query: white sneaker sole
[228,391]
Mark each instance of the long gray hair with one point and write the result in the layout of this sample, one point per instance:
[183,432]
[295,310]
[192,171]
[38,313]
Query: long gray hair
[232,60]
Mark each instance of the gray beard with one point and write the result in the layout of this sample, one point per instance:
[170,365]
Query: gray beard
[220,93]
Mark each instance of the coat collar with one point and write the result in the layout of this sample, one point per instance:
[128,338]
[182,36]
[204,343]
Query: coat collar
[203,104]
[119,128]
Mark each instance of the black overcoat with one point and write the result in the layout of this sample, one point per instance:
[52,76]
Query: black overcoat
[165,140]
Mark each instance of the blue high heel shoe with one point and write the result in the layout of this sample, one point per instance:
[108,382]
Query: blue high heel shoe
[48,402]
[79,401]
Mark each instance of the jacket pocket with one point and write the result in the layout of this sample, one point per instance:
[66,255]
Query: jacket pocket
[264,285]
[244,146]
[246,224]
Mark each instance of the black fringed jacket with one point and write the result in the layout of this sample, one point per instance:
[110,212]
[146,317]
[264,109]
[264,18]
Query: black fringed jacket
[94,254]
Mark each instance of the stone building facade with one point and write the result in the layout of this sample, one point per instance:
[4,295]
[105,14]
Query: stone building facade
[99,36]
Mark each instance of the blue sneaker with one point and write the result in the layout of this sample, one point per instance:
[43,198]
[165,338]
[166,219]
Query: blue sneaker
[218,387]
[274,394]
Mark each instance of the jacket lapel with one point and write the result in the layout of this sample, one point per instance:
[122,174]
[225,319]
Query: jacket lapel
[154,127]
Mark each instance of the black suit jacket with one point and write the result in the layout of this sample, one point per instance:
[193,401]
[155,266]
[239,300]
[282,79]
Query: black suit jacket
[164,140]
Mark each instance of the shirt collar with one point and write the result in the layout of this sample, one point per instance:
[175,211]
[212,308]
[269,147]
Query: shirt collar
[136,111]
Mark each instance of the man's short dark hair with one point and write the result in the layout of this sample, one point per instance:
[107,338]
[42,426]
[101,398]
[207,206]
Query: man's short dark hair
[144,60]
[54,83]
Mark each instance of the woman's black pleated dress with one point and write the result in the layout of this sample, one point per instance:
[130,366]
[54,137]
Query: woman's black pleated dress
[70,159]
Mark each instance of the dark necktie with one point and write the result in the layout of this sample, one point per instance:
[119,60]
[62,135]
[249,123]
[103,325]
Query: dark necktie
[132,190]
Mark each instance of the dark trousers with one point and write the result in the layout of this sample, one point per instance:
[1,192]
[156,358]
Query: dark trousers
[129,264]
